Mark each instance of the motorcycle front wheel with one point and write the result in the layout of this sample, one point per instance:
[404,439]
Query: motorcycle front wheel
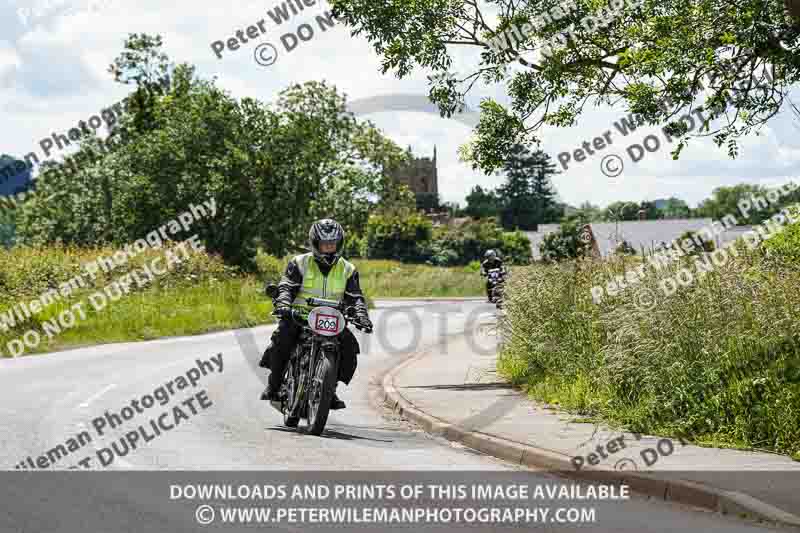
[320,395]
[292,382]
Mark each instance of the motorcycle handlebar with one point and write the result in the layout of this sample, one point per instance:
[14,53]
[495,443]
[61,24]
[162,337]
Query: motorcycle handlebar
[348,312]
[321,301]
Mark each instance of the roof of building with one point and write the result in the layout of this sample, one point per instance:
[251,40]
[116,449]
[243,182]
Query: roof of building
[641,234]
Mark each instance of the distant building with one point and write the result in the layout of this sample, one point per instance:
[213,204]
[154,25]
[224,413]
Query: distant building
[646,235]
[419,175]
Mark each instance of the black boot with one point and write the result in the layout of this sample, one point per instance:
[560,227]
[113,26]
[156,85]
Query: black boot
[271,393]
[264,363]
[337,403]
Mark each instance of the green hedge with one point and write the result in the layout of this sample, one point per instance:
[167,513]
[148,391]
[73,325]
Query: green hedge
[415,240]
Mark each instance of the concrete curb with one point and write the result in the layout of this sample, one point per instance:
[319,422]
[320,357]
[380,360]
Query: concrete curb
[683,492]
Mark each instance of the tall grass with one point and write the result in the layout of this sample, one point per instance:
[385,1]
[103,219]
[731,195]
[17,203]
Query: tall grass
[200,294]
[717,361]
[197,296]
[385,279]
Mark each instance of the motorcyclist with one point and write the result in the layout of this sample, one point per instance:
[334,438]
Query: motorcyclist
[491,259]
[321,273]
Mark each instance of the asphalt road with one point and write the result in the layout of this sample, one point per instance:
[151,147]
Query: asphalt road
[46,400]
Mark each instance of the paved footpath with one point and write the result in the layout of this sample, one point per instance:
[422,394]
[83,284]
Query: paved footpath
[454,391]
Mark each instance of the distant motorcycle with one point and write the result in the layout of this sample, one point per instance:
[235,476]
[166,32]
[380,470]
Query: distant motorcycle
[313,369]
[496,278]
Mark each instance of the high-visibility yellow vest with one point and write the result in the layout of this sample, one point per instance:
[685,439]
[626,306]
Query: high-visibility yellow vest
[316,285]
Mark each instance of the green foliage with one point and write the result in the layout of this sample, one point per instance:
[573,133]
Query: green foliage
[473,266]
[383,278]
[355,246]
[675,208]
[528,198]
[707,246]
[397,237]
[625,248]
[651,55]
[725,201]
[586,213]
[468,242]
[785,246]
[270,169]
[269,268]
[428,201]
[482,203]
[515,247]
[199,295]
[717,361]
[566,243]
[27,272]
[8,227]
[412,238]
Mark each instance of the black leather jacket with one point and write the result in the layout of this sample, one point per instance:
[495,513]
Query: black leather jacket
[490,264]
[292,281]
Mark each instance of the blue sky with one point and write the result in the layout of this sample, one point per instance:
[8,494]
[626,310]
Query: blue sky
[54,55]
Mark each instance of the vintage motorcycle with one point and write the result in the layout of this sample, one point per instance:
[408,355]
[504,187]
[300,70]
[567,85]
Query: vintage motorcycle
[313,369]
[496,278]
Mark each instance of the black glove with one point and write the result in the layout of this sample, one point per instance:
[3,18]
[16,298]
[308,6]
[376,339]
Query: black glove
[365,322]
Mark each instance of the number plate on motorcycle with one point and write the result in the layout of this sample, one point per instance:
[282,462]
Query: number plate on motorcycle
[326,321]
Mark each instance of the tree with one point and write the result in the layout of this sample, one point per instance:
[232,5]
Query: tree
[566,243]
[527,198]
[587,212]
[428,201]
[482,203]
[544,195]
[621,210]
[651,212]
[271,169]
[655,57]
[675,208]
[724,201]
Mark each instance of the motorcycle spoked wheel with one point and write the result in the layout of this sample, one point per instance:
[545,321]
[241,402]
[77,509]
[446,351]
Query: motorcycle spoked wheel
[321,390]
[292,381]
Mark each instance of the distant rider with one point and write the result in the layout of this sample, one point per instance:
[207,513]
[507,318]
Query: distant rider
[321,273]
[491,259]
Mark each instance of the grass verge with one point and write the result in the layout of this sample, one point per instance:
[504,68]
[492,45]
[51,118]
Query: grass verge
[717,361]
[198,295]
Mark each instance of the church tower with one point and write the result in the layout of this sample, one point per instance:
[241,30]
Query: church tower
[420,175]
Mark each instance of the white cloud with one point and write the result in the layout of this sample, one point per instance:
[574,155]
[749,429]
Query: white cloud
[9,64]
[53,73]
